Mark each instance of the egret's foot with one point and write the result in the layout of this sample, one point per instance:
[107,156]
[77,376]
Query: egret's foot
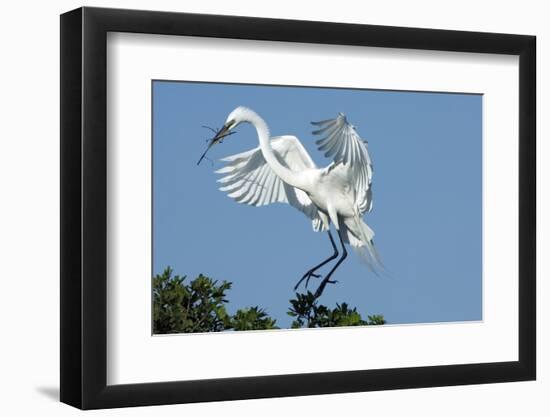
[311,274]
[307,276]
[321,288]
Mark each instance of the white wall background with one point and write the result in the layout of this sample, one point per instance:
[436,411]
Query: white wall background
[29,210]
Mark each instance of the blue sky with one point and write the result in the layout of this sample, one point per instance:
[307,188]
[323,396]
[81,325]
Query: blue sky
[426,150]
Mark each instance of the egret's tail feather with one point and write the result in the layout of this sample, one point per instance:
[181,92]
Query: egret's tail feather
[360,237]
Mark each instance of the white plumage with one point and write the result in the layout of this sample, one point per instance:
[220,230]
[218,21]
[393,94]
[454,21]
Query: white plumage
[280,170]
[342,142]
[250,180]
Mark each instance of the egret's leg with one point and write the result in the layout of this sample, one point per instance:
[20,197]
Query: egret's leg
[327,280]
[311,272]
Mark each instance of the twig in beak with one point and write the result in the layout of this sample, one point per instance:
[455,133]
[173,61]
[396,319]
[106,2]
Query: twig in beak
[218,138]
[204,153]
[212,129]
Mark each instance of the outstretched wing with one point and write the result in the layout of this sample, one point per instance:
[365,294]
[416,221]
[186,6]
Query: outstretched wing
[342,142]
[248,179]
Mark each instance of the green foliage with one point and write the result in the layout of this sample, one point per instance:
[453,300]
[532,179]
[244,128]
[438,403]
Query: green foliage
[308,313]
[199,306]
[253,318]
[376,320]
[183,308]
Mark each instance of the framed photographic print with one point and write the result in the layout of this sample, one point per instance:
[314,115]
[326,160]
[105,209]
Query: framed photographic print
[258,208]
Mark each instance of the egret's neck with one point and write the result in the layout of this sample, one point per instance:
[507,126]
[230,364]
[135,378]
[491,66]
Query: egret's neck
[287,175]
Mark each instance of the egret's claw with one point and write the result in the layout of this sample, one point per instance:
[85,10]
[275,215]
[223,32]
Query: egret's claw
[307,276]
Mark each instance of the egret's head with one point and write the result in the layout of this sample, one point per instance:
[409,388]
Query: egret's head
[236,117]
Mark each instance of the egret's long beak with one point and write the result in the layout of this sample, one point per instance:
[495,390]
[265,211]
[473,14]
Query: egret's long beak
[218,137]
[222,133]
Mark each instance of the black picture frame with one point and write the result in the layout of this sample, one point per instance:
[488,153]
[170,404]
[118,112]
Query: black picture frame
[84,207]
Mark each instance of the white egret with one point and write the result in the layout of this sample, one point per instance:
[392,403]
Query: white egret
[280,170]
